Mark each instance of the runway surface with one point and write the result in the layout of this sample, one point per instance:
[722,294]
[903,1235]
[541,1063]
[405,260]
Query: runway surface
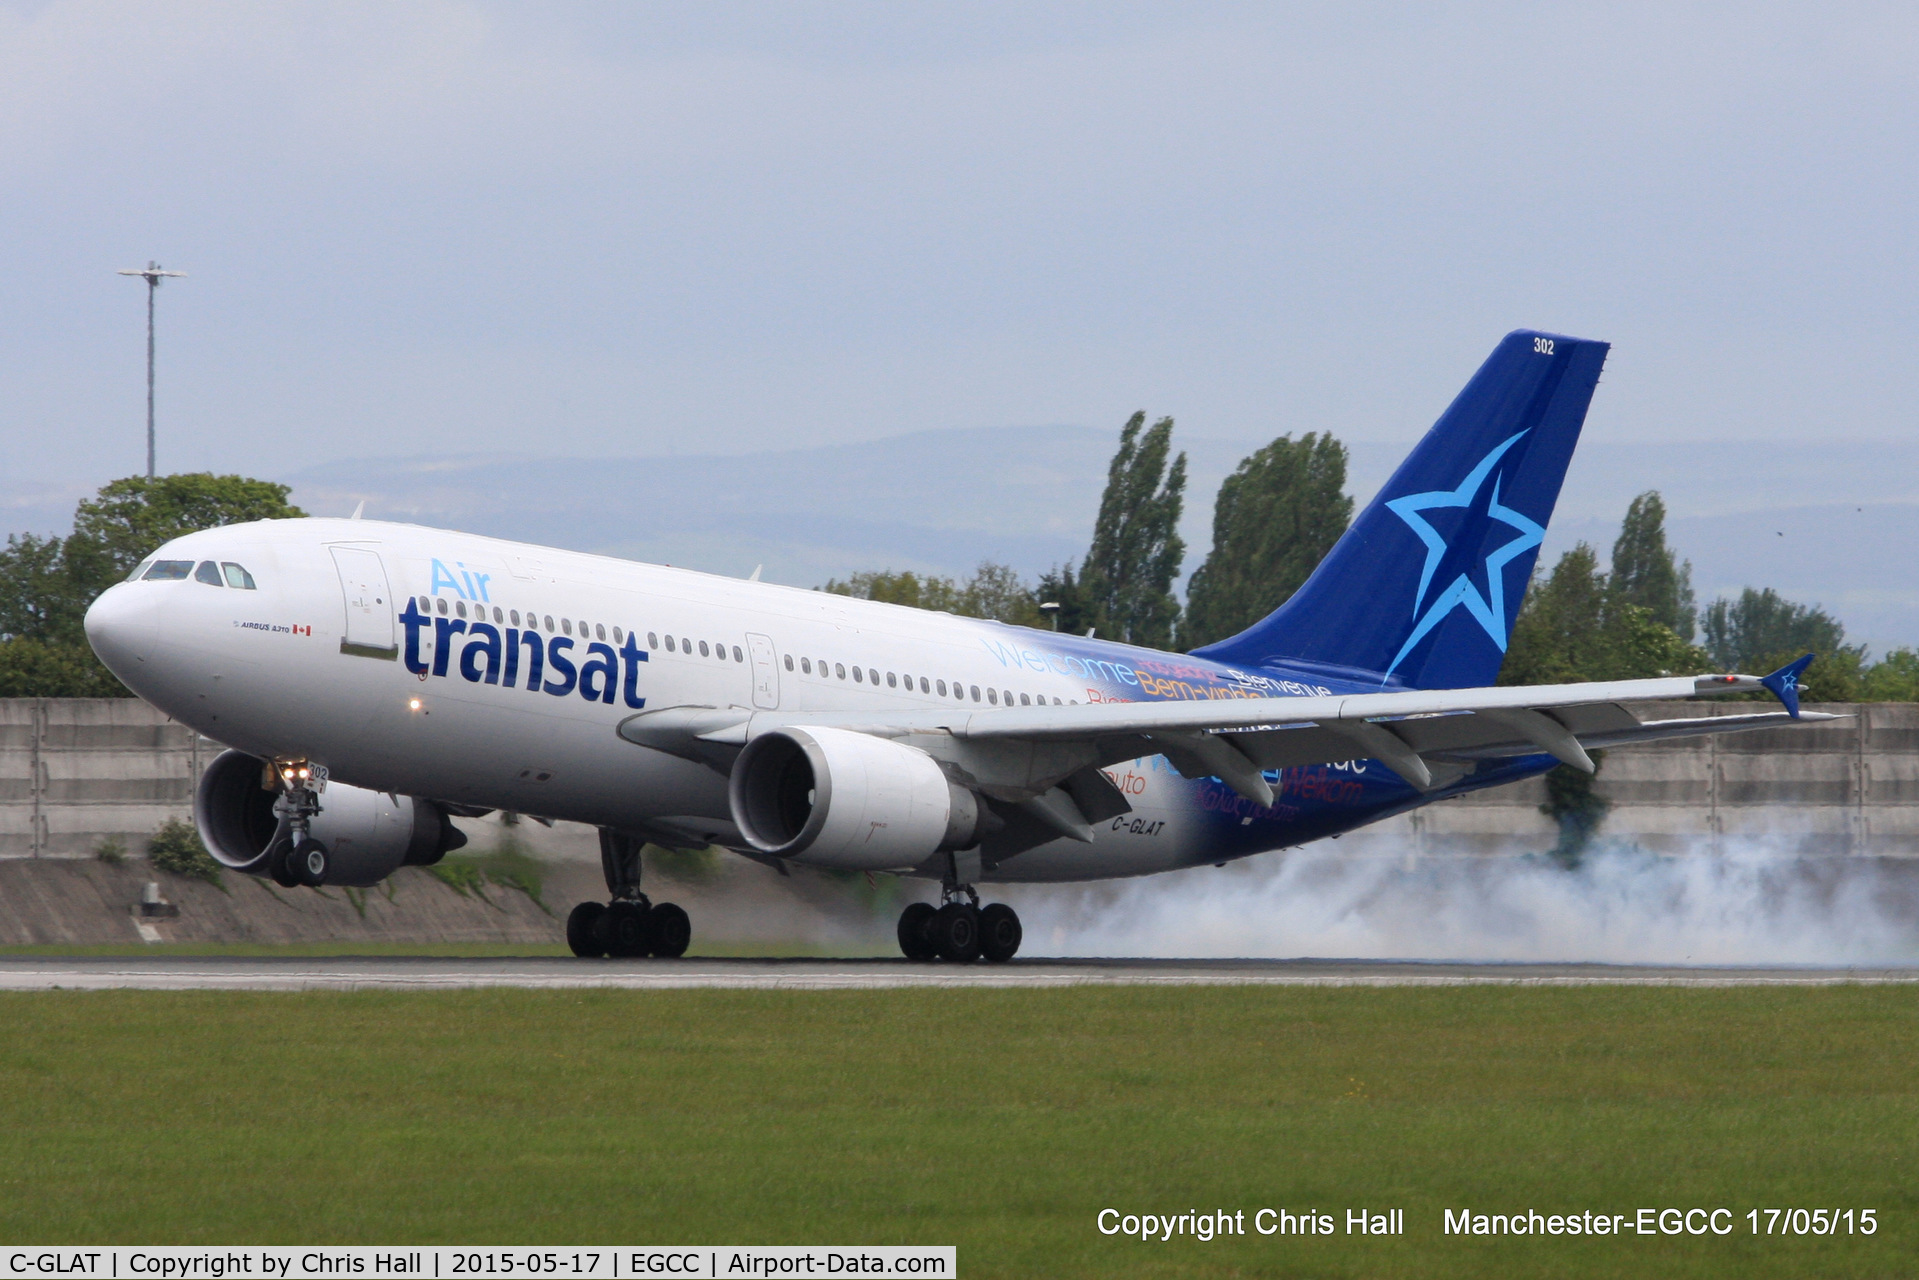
[425,973]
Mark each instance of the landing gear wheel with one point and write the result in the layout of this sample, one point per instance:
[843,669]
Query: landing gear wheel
[955,932]
[999,932]
[309,863]
[582,925]
[623,929]
[281,867]
[668,931]
[915,942]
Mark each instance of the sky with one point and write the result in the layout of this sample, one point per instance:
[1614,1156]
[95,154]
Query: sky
[593,230]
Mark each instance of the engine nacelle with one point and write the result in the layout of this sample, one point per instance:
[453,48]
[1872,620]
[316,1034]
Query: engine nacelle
[833,798]
[367,834]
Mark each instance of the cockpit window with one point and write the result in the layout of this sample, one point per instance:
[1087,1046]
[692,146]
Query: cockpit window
[139,571]
[209,573]
[169,570]
[237,576]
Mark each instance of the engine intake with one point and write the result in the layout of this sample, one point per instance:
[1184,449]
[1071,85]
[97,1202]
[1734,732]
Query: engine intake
[368,834]
[833,798]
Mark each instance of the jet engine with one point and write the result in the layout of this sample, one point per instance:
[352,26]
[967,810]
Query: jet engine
[833,798]
[368,834]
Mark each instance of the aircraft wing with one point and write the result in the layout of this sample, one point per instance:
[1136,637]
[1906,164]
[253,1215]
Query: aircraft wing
[1428,737]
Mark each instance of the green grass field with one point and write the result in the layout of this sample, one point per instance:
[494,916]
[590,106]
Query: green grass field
[1000,1121]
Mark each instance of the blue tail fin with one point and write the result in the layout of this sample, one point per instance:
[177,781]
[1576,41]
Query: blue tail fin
[1423,589]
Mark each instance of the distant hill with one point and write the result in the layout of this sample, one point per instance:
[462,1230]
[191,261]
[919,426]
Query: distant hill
[938,500]
[1837,525]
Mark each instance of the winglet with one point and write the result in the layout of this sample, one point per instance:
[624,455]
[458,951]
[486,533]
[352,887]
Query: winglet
[1784,684]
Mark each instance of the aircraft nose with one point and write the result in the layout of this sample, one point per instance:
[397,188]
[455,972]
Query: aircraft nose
[121,624]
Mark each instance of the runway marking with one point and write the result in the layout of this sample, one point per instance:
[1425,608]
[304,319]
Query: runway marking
[350,973]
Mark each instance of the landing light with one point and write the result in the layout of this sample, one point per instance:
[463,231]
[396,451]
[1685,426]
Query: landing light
[413,704]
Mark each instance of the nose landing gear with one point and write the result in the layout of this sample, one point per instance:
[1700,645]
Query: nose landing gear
[631,924]
[959,930]
[296,858]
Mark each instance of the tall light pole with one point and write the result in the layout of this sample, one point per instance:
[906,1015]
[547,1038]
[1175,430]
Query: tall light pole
[152,275]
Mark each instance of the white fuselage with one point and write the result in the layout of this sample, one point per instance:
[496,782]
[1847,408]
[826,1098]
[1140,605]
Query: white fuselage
[313,662]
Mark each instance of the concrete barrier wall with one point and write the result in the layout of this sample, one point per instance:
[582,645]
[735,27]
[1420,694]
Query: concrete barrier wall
[1844,787]
[76,772]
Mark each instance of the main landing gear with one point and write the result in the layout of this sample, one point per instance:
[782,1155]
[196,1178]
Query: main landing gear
[295,858]
[959,929]
[631,924]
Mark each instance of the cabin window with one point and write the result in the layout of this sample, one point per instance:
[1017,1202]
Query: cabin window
[976,693]
[789,662]
[566,625]
[653,639]
[439,605]
[549,622]
[892,681]
[1023,701]
[209,573]
[497,615]
[942,687]
[737,655]
[924,688]
[459,607]
[599,631]
[857,676]
[1007,696]
[426,605]
[515,615]
[617,637]
[704,651]
[806,666]
[993,697]
[874,676]
[670,647]
[237,576]
[839,670]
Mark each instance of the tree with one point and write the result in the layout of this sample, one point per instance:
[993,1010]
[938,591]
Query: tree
[1761,631]
[1574,626]
[1643,572]
[905,587]
[1058,586]
[130,517]
[1894,678]
[994,591]
[1127,579]
[39,599]
[1275,519]
[46,584]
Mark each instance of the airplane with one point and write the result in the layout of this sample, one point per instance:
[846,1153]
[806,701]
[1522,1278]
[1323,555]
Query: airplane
[371,681]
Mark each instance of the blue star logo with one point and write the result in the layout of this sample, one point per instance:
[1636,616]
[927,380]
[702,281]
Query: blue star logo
[1452,564]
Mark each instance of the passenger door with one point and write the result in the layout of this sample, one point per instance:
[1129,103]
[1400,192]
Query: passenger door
[766,672]
[369,604]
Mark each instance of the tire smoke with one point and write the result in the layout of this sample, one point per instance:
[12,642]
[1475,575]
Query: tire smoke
[1742,906]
